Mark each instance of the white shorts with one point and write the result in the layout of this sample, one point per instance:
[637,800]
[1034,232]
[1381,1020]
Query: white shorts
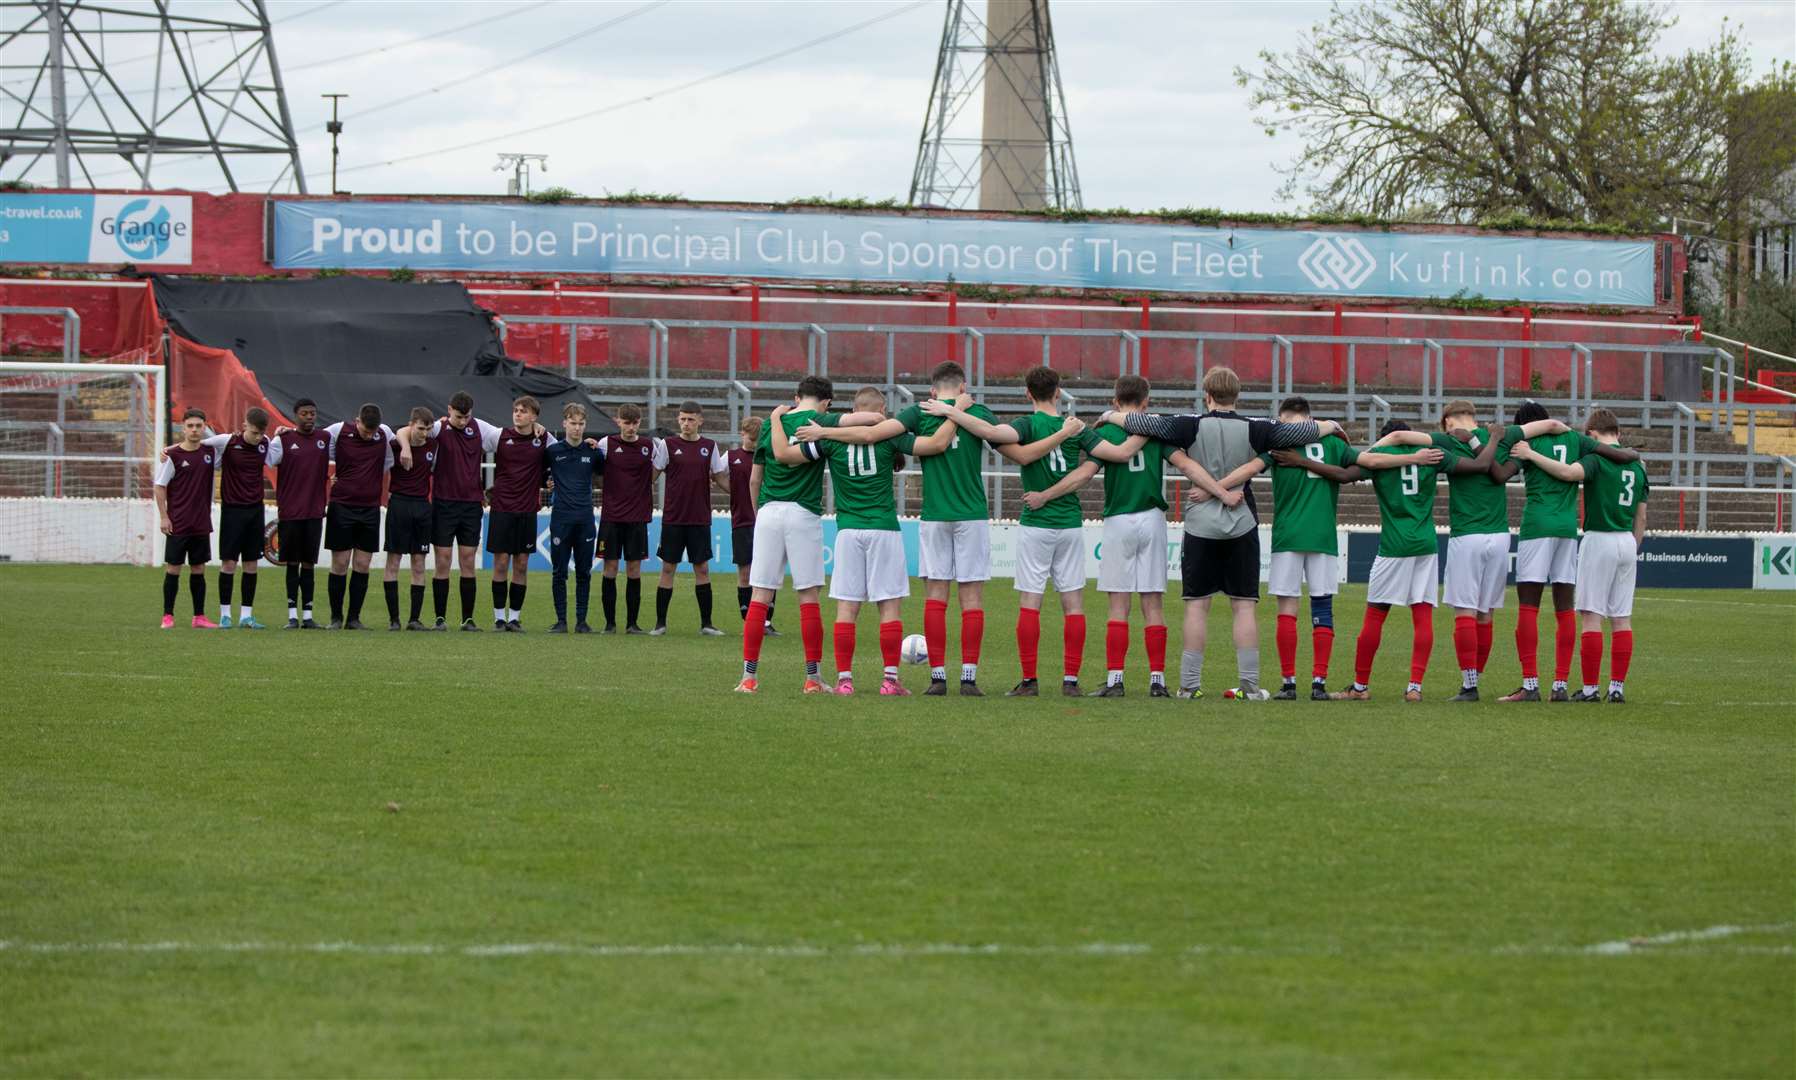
[1410,580]
[954,550]
[1044,555]
[786,532]
[1477,570]
[869,566]
[1133,558]
[1606,569]
[1547,559]
[1291,570]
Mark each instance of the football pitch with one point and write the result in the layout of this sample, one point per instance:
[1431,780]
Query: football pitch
[231,853]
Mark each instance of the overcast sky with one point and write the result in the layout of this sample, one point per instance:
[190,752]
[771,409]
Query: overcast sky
[1156,116]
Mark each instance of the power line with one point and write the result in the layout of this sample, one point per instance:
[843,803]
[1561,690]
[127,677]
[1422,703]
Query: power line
[509,13]
[394,103]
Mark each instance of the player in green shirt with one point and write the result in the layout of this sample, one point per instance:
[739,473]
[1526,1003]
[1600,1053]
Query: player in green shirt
[869,553]
[1547,549]
[1050,538]
[1615,497]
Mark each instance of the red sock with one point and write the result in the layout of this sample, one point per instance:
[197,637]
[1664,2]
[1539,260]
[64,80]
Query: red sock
[1563,642]
[1621,653]
[1155,636]
[1028,639]
[1592,656]
[1422,616]
[935,631]
[753,624]
[891,642]
[1116,645]
[844,647]
[1322,642]
[810,628]
[1287,645]
[1486,632]
[1369,633]
[1073,644]
[1527,640]
[1465,641]
[972,634]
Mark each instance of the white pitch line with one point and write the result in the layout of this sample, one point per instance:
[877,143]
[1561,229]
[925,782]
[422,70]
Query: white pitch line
[1684,937]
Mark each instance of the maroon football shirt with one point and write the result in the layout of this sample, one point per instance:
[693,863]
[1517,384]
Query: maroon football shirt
[518,472]
[629,493]
[302,469]
[361,462]
[686,499]
[459,457]
[742,502]
[240,466]
[187,474]
[415,481]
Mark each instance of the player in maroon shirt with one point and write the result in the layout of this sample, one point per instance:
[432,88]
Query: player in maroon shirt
[518,463]
[694,465]
[743,492]
[301,457]
[458,498]
[625,508]
[409,514]
[241,458]
[362,452]
[184,503]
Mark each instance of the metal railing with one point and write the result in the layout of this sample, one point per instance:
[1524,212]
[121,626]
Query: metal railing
[71,326]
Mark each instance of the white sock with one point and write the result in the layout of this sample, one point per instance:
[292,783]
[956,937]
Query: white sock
[1414,688]
[1069,678]
[1469,677]
[1156,678]
[1561,684]
[243,612]
[498,614]
[1530,684]
[891,672]
[844,676]
[938,674]
[224,612]
[308,613]
[969,672]
[1590,688]
[292,612]
[1113,678]
[1614,687]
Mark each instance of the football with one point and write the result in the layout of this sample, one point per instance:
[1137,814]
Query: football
[916,649]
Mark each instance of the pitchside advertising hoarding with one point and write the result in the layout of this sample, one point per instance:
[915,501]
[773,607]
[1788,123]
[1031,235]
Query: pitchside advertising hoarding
[358,235]
[111,229]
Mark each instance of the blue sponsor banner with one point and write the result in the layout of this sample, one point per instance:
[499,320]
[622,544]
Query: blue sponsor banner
[146,228]
[907,248]
[1664,562]
[723,550]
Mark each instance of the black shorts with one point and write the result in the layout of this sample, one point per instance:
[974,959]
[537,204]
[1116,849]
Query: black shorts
[508,533]
[408,525]
[742,545]
[194,549]
[352,528]
[297,541]
[626,540]
[1230,567]
[240,532]
[684,543]
[455,521]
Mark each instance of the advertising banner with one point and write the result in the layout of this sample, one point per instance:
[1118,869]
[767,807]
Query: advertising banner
[358,235]
[1774,562]
[1664,562]
[147,228]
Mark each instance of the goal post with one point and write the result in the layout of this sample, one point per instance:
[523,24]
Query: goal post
[78,451]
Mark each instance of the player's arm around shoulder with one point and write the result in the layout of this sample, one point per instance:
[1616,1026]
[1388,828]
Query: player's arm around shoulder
[1201,479]
[1570,472]
[1621,455]
[937,443]
[1075,479]
[1116,453]
[975,420]
[784,450]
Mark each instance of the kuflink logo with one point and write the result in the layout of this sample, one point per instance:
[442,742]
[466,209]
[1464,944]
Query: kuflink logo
[1337,262]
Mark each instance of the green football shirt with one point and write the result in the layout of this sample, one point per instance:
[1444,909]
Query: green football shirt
[1134,485]
[1476,504]
[1304,503]
[1046,471]
[1405,506]
[953,489]
[801,484]
[1612,494]
[1551,508]
[862,479]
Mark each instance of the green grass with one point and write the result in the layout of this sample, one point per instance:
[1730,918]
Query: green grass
[1318,888]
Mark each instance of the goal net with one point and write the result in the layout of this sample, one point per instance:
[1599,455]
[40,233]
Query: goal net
[78,448]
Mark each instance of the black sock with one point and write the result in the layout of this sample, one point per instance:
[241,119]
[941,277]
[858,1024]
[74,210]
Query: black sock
[418,602]
[608,600]
[743,594]
[582,596]
[358,592]
[500,596]
[469,592]
[703,593]
[391,589]
[633,599]
[196,584]
[225,581]
[249,589]
[517,598]
[439,596]
[663,597]
[308,586]
[336,586]
[171,588]
[293,585]
[770,611]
